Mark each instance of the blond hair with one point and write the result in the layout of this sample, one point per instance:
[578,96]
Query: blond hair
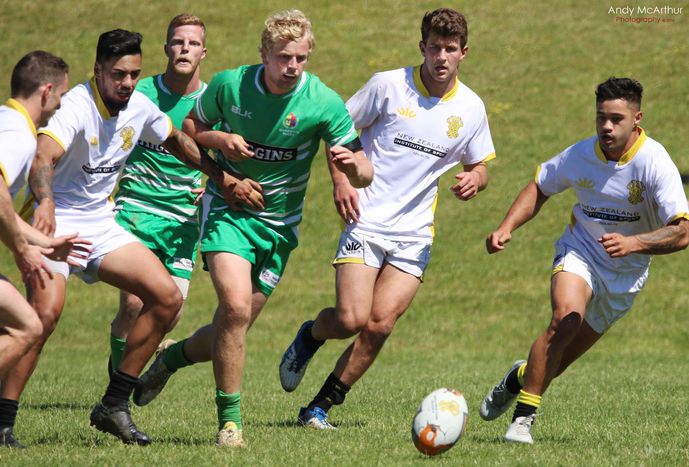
[185,19]
[290,25]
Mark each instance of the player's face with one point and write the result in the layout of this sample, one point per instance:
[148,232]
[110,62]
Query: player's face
[616,121]
[441,57]
[284,64]
[185,49]
[116,80]
[53,99]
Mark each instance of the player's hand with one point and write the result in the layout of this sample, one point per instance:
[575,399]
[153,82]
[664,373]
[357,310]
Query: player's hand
[344,160]
[617,245]
[30,263]
[497,240]
[346,200]
[199,194]
[467,185]
[69,248]
[44,217]
[235,148]
[242,191]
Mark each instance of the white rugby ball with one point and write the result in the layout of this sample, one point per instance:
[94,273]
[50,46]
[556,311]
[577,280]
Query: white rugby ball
[439,421]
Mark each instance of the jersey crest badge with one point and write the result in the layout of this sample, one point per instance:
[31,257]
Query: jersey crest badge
[127,135]
[636,189]
[454,123]
[94,141]
[406,112]
[290,121]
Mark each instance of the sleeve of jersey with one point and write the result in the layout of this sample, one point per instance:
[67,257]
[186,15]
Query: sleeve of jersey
[364,106]
[550,175]
[668,192]
[208,108]
[64,125]
[339,128]
[159,126]
[12,143]
[480,147]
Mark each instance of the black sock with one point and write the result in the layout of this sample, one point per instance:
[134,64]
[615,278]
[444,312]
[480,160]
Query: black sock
[8,412]
[512,382]
[309,342]
[332,393]
[523,410]
[120,388]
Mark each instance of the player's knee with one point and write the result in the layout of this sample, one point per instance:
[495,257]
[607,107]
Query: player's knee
[30,332]
[350,320]
[380,330]
[235,311]
[564,325]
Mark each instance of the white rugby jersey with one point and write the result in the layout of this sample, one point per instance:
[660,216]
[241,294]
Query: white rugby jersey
[18,143]
[412,139]
[639,193]
[96,146]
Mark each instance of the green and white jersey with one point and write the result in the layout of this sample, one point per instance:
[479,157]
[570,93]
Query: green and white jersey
[284,132]
[154,181]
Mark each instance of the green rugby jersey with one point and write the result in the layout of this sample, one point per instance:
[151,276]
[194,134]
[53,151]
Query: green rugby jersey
[153,180]
[284,132]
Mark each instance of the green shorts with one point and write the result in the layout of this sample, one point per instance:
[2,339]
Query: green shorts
[173,242]
[267,248]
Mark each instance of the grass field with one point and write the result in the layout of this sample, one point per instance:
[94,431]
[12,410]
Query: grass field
[536,66]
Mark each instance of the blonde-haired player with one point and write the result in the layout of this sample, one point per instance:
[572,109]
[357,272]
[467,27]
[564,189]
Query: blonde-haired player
[272,118]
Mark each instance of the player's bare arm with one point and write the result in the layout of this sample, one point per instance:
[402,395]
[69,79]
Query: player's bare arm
[473,179]
[523,209]
[48,152]
[662,241]
[64,248]
[353,164]
[345,195]
[235,189]
[233,146]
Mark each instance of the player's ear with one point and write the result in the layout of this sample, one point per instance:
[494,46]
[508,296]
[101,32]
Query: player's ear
[637,118]
[97,69]
[46,90]
[422,47]
[203,54]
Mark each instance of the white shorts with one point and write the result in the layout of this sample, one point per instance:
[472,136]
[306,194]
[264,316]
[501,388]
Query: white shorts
[106,235]
[613,292]
[409,256]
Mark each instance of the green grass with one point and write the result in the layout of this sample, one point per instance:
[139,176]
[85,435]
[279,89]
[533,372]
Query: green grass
[536,66]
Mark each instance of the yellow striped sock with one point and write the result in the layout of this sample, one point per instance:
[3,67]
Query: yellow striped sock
[520,374]
[529,399]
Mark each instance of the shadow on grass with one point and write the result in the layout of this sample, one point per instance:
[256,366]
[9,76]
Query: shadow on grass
[539,438]
[58,406]
[292,423]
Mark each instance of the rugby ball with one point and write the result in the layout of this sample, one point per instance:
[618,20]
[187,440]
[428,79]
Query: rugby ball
[439,421]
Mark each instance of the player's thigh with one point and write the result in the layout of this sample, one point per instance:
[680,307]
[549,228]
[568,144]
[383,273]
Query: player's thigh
[394,291]
[135,269]
[354,288]
[569,292]
[15,311]
[231,276]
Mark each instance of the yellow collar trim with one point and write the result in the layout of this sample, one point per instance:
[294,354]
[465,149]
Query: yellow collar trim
[14,104]
[627,156]
[100,105]
[418,82]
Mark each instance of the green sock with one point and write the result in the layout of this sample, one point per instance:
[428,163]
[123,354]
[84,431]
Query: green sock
[174,357]
[228,408]
[117,345]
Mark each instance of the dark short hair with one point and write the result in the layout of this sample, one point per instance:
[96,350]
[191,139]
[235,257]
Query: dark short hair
[445,22]
[620,88]
[34,70]
[118,43]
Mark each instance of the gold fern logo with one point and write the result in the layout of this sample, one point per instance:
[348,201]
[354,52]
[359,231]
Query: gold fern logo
[406,112]
[636,189]
[454,123]
[584,184]
[94,141]
[127,135]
